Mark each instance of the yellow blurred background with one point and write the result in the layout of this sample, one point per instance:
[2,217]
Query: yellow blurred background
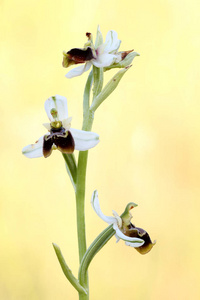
[149,150]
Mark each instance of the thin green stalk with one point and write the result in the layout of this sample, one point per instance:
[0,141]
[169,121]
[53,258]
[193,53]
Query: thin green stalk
[80,199]
[94,248]
[88,117]
[80,191]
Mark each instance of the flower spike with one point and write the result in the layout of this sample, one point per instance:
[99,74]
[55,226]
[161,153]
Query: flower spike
[133,236]
[60,136]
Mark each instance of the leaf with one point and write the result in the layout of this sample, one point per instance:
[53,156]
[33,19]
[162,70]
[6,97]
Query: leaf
[66,270]
[70,163]
[108,89]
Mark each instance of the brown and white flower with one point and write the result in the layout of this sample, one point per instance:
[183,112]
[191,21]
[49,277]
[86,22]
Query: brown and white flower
[60,136]
[104,55]
[133,236]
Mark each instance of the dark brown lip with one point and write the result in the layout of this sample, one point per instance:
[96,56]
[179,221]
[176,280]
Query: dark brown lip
[63,140]
[143,235]
[80,55]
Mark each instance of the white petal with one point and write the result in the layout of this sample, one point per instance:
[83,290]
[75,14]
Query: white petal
[67,123]
[99,37]
[47,126]
[34,150]
[60,104]
[134,245]
[135,242]
[78,70]
[117,217]
[112,43]
[117,238]
[84,140]
[104,60]
[96,207]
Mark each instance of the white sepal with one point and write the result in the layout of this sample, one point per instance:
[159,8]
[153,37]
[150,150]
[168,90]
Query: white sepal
[67,123]
[97,209]
[59,103]
[84,140]
[134,245]
[118,219]
[104,60]
[47,126]
[99,38]
[34,150]
[133,240]
[112,43]
[79,70]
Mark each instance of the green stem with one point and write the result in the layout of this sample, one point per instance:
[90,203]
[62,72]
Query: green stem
[88,117]
[94,248]
[80,190]
[80,199]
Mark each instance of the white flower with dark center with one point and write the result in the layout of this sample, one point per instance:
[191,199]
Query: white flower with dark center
[133,236]
[104,55]
[60,136]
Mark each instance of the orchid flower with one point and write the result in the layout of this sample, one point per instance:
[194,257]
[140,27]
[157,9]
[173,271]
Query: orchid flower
[60,135]
[103,55]
[133,236]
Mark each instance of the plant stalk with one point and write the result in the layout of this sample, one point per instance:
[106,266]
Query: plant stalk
[80,199]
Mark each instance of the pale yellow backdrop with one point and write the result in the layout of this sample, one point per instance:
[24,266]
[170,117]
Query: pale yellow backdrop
[149,150]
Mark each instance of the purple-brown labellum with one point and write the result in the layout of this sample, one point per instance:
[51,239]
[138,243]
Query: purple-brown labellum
[140,233]
[80,55]
[61,138]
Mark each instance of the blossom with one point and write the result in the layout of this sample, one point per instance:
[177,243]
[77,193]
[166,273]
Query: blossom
[133,236]
[103,55]
[60,135]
